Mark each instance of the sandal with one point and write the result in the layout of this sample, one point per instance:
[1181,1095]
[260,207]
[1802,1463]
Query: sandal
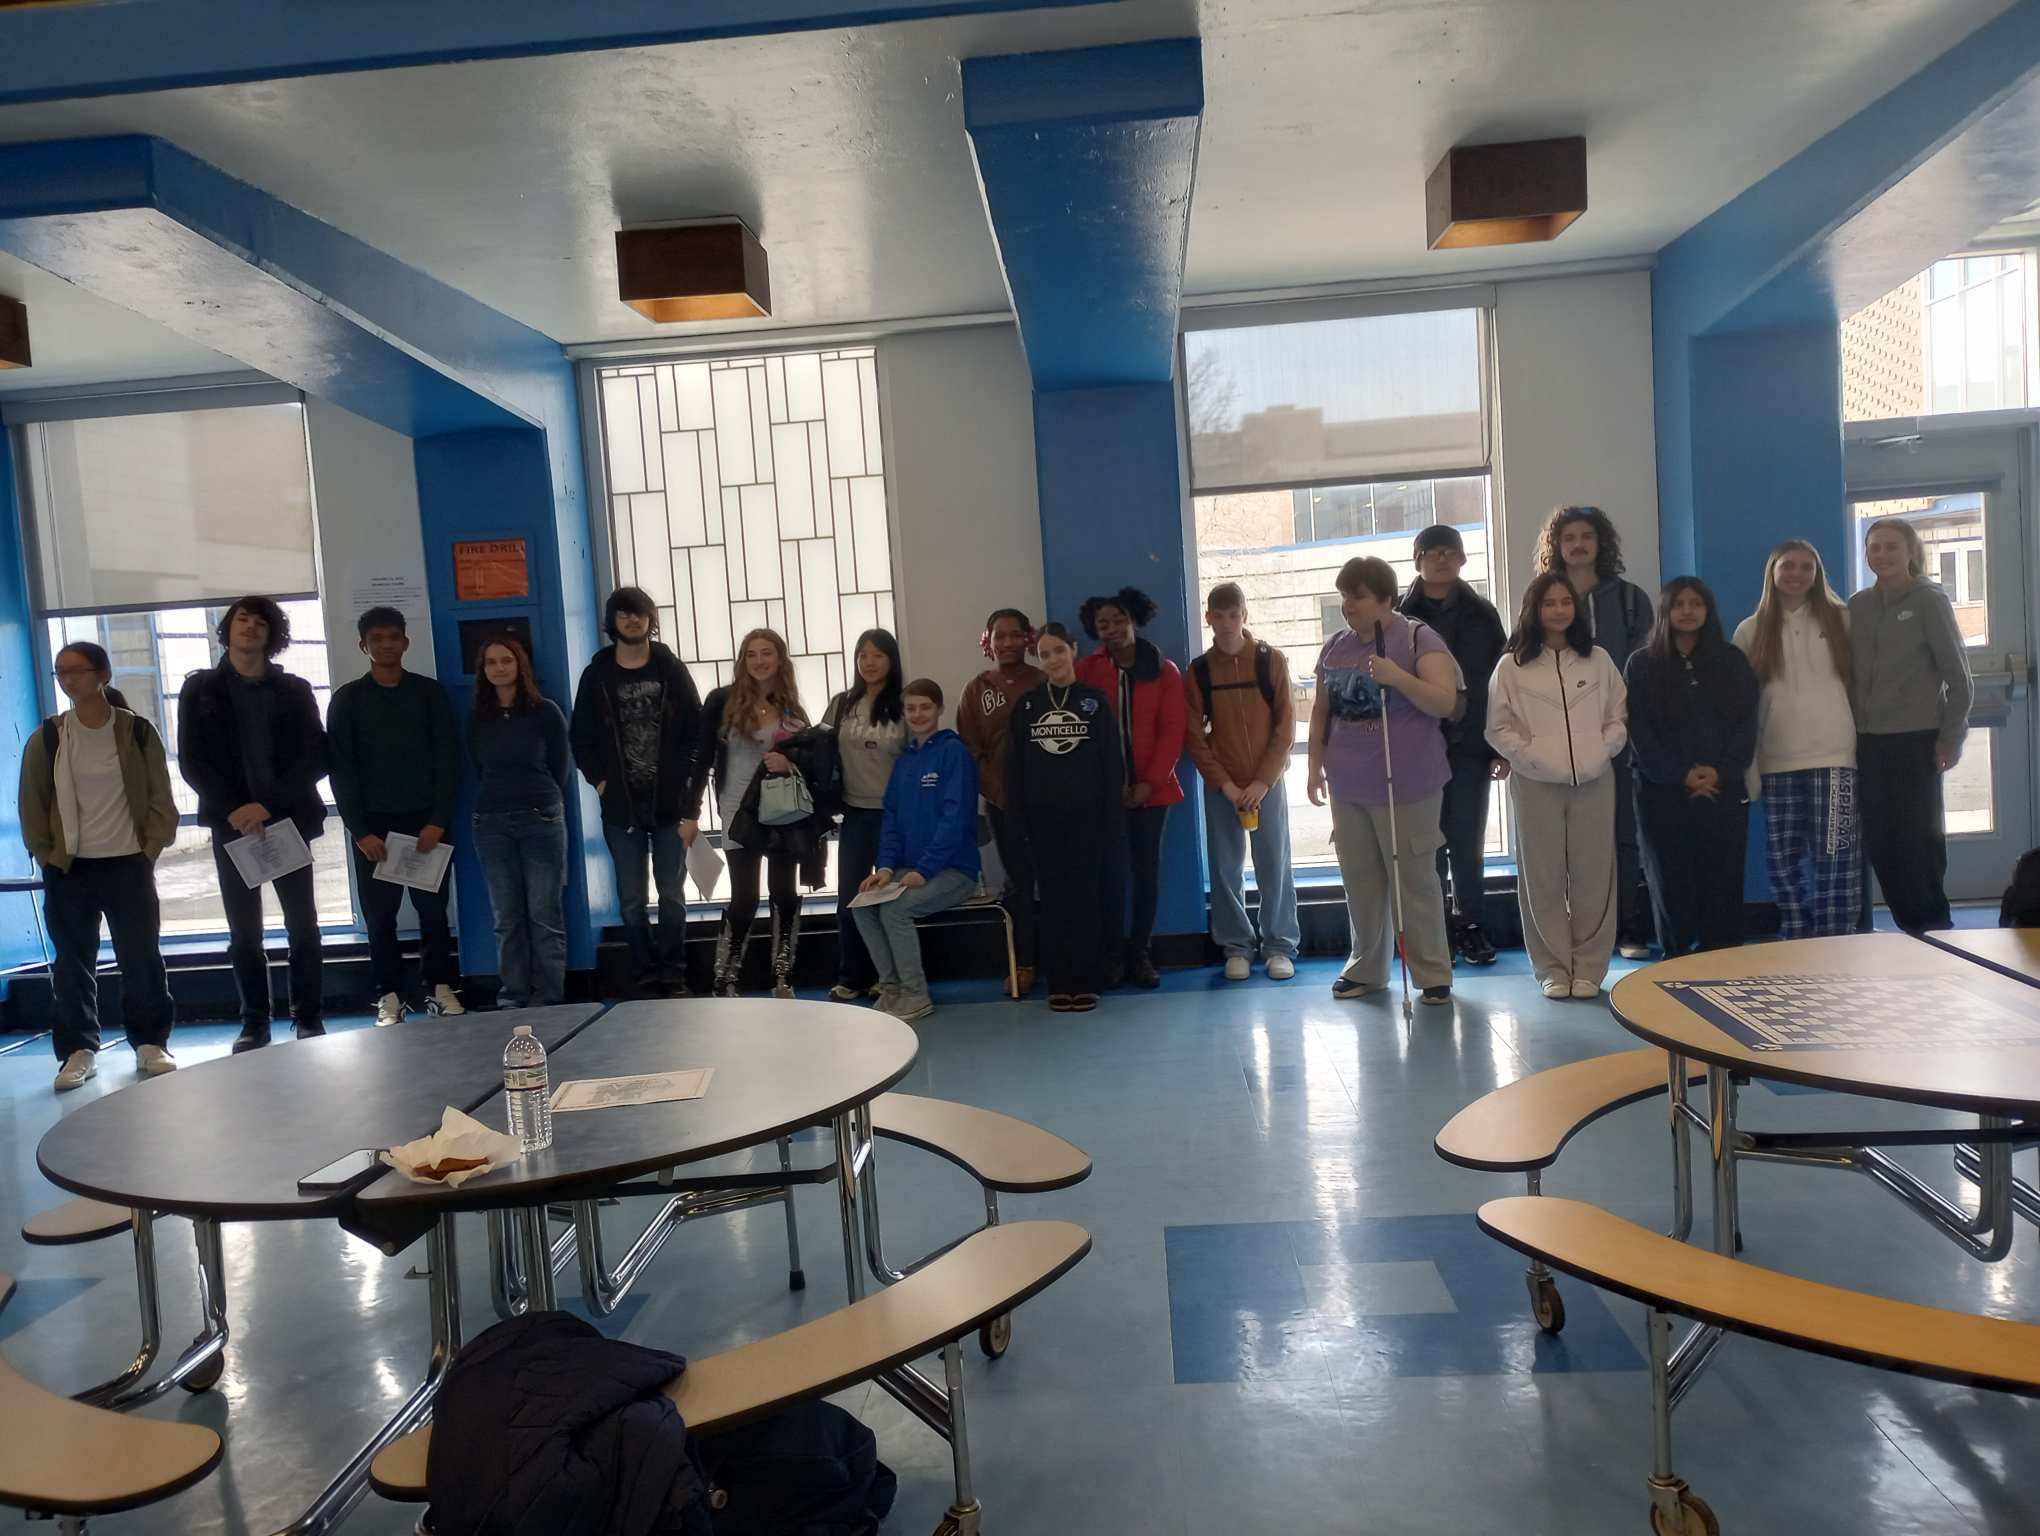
[1083,1002]
[1059,1002]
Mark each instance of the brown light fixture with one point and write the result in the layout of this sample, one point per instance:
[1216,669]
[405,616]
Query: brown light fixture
[1506,194]
[13,333]
[693,269]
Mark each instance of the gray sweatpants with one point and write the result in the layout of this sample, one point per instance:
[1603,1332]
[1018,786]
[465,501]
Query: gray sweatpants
[1360,839]
[1565,875]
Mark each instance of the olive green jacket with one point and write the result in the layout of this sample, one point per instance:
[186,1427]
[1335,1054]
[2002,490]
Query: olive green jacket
[144,774]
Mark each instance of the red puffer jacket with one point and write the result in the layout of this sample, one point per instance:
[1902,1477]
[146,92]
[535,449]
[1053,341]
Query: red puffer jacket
[1155,735]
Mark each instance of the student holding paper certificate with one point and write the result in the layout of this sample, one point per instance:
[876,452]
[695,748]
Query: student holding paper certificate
[395,769]
[250,742]
[927,847]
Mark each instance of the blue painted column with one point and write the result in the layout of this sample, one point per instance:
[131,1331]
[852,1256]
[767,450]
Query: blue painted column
[20,713]
[1087,158]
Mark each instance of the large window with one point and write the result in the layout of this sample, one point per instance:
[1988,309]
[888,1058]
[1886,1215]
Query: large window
[1323,437]
[747,493]
[1958,337]
[143,525]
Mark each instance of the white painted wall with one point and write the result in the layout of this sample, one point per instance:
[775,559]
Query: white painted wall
[1574,393]
[959,441]
[365,484]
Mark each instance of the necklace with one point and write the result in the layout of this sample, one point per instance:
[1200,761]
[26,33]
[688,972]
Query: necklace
[1058,703]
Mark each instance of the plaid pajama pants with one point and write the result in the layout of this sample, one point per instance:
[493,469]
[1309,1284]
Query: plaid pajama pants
[1815,850]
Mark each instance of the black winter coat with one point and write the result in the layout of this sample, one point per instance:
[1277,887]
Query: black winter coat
[209,750]
[543,1427]
[597,738]
[1472,631]
[1698,710]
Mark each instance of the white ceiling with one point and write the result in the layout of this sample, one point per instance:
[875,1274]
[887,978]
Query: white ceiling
[846,150]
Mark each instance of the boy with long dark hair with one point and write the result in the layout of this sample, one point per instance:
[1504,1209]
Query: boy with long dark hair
[636,718]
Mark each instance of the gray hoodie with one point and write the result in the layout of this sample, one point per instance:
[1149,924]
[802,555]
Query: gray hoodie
[1909,668]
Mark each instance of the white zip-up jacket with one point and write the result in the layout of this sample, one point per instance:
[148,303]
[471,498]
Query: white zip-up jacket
[1560,720]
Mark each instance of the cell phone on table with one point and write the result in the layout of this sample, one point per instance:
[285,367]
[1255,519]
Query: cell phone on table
[351,1168]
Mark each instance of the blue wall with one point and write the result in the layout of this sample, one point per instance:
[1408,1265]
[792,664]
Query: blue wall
[20,712]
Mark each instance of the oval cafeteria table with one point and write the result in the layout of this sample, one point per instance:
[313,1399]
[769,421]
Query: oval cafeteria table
[227,1140]
[2013,952]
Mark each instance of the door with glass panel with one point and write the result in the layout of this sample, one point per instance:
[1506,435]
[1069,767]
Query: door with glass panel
[1967,489]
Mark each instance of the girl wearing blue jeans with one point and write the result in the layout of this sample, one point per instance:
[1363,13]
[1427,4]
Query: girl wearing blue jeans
[518,741]
[927,848]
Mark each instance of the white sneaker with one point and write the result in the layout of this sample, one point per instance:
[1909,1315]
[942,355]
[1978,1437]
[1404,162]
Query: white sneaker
[1557,986]
[1238,968]
[444,1002]
[154,1061]
[389,1009]
[1280,967]
[1584,988]
[79,1068]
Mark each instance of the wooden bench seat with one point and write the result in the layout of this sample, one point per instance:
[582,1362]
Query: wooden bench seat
[59,1457]
[1988,1352]
[1526,1124]
[987,1274]
[76,1221]
[1000,1152]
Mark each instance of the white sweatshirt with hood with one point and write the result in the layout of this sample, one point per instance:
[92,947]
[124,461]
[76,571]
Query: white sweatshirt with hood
[1560,720]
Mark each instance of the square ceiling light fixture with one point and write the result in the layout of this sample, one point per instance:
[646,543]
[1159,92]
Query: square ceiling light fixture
[1506,194]
[693,269]
[13,333]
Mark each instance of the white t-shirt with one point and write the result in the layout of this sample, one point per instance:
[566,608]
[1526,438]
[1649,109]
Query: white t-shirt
[105,828]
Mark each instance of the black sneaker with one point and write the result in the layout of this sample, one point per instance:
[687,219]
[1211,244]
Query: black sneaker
[1471,945]
[1347,987]
[310,1029]
[251,1038]
[1437,996]
[672,981]
[1115,972]
[1633,948]
[1140,970]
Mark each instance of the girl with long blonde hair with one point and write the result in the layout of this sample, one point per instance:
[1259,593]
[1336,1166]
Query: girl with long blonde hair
[1798,645]
[743,726]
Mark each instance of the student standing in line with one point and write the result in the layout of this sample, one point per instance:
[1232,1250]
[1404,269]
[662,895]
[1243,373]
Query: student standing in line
[1798,645]
[250,743]
[1693,725]
[871,732]
[742,728]
[517,739]
[1909,681]
[1385,671]
[984,718]
[96,811]
[1146,693]
[1242,726]
[636,720]
[1474,634]
[1557,712]
[928,846]
[1064,776]
[396,767]
[1581,544]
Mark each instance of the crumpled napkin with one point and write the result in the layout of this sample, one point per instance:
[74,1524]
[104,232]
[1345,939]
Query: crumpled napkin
[459,1137]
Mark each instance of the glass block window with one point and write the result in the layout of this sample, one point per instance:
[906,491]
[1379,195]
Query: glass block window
[748,492]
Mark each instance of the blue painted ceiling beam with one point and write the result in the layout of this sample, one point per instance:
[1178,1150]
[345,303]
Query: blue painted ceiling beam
[140,223]
[1087,158]
[1873,201]
[104,49]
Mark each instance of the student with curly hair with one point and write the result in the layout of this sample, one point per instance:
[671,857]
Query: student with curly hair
[1146,692]
[250,742]
[1581,544]
[984,717]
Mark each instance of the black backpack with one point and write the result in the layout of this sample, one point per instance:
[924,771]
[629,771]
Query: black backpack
[1264,675]
[808,1470]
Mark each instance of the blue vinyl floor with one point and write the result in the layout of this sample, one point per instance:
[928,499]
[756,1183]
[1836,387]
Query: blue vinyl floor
[1289,1321]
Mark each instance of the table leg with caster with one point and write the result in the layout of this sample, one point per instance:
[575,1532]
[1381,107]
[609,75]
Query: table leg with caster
[965,1515]
[796,1278]
[1675,1510]
[1546,1305]
[199,1368]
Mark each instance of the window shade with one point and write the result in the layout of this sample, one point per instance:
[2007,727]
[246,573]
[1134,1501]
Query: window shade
[1321,402]
[172,507]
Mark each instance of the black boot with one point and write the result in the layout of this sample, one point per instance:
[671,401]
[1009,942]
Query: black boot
[783,946]
[253,1037]
[644,970]
[1140,968]
[1470,944]
[729,959]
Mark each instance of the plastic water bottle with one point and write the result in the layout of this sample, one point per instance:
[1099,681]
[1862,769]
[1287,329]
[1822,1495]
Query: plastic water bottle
[527,1088]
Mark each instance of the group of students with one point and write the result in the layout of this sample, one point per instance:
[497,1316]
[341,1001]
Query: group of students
[1636,735]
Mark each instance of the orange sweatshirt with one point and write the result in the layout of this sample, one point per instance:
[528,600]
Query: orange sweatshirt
[1244,738]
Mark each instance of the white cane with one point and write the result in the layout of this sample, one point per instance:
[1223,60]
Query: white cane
[1394,841]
